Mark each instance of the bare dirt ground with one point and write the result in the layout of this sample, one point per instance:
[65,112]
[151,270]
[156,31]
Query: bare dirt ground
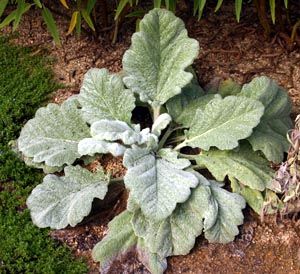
[228,49]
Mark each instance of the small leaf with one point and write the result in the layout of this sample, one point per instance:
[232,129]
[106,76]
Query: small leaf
[60,201]
[119,240]
[243,164]
[88,19]
[115,130]
[161,123]
[159,193]
[149,64]
[64,2]
[225,87]
[254,199]
[223,123]
[52,136]
[49,20]
[103,96]
[270,135]
[90,146]
[73,22]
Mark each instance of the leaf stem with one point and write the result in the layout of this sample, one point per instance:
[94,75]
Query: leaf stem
[165,137]
[156,112]
[181,145]
[187,156]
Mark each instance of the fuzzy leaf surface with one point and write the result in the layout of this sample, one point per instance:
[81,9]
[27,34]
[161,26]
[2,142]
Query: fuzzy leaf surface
[229,215]
[270,135]
[103,96]
[115,130]
[224,122]
[173,236]
[119,240]
[243,164]
[156,62]
[60,201]
[161,123]
[52,136]
[91,146]
[154,263]
[152,187]
[183,106]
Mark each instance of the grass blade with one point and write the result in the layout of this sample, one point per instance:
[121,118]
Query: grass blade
[49,20]
[238,8]
[87,19]
[73,22]
[3,5]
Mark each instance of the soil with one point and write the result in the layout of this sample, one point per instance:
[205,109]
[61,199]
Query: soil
[228,49]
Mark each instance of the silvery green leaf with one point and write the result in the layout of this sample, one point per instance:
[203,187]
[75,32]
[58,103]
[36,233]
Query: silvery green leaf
[60,201]
[46,169]
[161,123]
[243,164]
[156,185]
[184,114]
[229,215]
[115,130]
[156,62]
[172,156]
[224,122]
[91,146]
[103,96]
[119,240]
[52,136]
[174,235]
[270,135]
[154,263]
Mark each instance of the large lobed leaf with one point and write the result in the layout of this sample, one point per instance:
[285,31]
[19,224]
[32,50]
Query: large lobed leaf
[52,136]
[60,201]
[270,135]
[103,96]
[243,164]
[229,215]
[211,208]
[224,122]
[156,183]
[156,62]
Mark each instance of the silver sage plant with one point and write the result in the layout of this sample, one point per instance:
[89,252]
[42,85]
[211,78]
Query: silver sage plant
[232,131]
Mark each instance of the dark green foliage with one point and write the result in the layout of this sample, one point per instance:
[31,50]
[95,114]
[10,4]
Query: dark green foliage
[24,83]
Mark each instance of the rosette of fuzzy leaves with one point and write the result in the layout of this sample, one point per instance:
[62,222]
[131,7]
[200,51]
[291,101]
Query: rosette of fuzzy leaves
[169,203]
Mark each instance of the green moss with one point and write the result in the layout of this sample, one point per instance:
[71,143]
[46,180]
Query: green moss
[25,82]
